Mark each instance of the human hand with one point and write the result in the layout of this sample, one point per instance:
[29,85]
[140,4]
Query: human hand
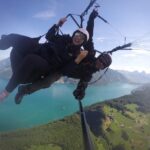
[79,94]
[81,56]
[61,21]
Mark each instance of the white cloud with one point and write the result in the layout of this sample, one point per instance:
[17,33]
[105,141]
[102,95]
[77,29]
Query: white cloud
[47,14]
[145,44]
[131,68]
[141,51]
[100,39]
[129,55]
[137,52]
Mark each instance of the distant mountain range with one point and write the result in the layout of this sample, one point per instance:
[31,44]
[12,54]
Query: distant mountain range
[136,77]
[109,76]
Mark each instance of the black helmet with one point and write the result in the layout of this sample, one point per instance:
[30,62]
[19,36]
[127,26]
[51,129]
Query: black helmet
[105,59]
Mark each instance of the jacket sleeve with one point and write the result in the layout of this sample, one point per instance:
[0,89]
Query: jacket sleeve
[83,83]
[90,27]
[79,92]
[52,32]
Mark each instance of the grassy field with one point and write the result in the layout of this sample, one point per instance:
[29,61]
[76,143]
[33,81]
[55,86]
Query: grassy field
[130,130]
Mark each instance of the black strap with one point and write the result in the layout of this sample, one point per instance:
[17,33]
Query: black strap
[82,14]
[99,77]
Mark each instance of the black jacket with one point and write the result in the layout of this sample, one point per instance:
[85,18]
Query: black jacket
[59,45]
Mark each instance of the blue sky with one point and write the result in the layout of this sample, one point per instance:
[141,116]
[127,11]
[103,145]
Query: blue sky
[130,17]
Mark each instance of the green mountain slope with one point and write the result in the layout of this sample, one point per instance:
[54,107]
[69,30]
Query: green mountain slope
[118,124]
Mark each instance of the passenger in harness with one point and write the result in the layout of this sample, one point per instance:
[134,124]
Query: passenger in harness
[30,60]
[82,71]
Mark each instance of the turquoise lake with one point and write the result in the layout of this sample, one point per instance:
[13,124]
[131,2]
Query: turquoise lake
[53,103]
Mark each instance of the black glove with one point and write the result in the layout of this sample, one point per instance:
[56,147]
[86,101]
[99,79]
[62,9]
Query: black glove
[94,13]
[79,94]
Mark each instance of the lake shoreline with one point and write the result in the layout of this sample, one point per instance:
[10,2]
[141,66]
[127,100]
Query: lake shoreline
[53,104]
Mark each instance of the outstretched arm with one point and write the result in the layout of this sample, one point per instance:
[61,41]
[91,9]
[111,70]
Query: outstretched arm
[90,23]
[53,31]
[90,27]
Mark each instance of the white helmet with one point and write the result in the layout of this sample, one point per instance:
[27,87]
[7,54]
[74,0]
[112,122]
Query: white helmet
[83,31]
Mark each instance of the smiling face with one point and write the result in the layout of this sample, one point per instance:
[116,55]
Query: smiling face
[99,65]
[78,38]
[103,61]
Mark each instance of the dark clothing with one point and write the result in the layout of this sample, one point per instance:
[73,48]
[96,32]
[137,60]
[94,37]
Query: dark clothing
[62,46]
[31,69]
[26,65]
[40,84]
[30,60]
[22,46]
[50,56]
[22,43]
[59,50]
[82,71]
[89,45]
